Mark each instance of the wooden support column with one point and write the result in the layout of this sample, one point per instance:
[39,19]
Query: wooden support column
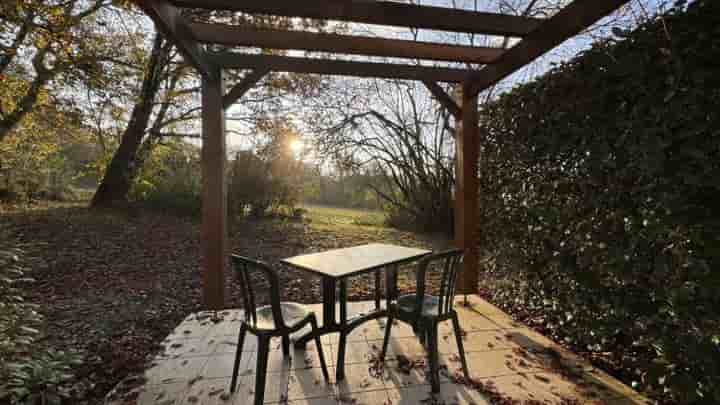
[243,86]
[445,99]
[171,23]
[213,234]
[466,189]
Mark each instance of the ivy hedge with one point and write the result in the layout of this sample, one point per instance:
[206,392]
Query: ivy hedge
[600,203]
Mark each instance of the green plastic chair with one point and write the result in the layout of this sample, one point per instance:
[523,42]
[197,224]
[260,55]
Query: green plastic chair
[279,319]
[424,312]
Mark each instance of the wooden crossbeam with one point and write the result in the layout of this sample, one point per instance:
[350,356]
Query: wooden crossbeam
[380,12]
[243,86]
[569,22]
[348,44]
[443,98]
[168,20]
[338,67]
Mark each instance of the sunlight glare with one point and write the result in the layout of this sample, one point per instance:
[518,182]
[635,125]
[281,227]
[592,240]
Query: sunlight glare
[296,145]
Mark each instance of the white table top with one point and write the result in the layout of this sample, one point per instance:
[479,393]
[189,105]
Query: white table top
[338,263]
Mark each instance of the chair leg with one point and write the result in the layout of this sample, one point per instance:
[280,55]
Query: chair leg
[421,332]
[238,355]
[386,340]
[461,349]
[261,369]
[342,344]
[433,357]
[377,290]
[286,346]
[318,345]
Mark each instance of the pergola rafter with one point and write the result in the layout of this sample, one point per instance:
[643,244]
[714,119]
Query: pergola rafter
[568,22]
[243,86]
[295,64]
[168,20]
[537,36]
[379,13]
[443,98]
[344,44]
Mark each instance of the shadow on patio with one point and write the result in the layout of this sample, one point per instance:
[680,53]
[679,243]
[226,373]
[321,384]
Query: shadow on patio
[509,364]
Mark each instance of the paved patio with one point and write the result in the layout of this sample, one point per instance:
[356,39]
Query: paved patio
[509,364]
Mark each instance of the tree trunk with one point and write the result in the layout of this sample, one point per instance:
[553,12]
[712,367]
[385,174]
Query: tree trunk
[26,104]
[124,165]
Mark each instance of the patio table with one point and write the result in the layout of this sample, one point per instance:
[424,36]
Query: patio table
[335,267]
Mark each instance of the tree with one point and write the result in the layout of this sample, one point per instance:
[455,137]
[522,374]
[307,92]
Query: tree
[47,159]
[268,177]
[43,41]
[399,132]
[124,165]
[408,138]
[168,87]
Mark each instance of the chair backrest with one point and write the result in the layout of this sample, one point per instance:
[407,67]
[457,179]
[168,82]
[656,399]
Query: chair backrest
[450,264]
[245,268]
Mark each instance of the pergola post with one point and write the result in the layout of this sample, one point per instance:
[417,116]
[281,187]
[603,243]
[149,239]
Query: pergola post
[213,234]
[466,189]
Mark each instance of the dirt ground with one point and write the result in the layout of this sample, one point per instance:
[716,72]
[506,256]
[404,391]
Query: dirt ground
[114,283]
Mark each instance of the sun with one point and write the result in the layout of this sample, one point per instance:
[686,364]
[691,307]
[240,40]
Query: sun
[296,145]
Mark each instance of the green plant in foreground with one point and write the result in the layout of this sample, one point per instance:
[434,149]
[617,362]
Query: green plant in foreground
[40,378]
[29,373]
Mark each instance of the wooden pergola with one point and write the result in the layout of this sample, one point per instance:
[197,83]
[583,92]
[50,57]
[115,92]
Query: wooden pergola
[537,36]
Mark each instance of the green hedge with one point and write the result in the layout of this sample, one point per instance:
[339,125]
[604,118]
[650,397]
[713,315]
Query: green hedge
[600,202]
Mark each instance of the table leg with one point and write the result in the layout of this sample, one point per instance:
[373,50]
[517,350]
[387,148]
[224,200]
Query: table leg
[340,372]
[329,323]
[343,302]
[390,284]
[377,290]
[394,284]
[328,301]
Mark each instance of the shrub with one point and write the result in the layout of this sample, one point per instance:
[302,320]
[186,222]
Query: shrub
[29,373]
[600,200]
[43,159]
[171,179]
[258,184]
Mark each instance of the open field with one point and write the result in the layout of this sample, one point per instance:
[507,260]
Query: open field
[330,215]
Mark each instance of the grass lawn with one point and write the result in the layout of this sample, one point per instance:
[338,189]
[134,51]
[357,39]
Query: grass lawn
[325,214]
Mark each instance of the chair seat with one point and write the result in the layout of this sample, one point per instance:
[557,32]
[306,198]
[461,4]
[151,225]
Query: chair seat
[292,314]
[431,305]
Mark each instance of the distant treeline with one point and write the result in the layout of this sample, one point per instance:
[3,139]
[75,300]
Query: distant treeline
[342,190]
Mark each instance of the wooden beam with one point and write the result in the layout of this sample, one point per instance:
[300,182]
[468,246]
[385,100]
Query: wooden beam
[381,13]
[243,86]
[213,232]
[466,190]
[170,23]
[444,99]
[338,67]
[569,22]
[348,44]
